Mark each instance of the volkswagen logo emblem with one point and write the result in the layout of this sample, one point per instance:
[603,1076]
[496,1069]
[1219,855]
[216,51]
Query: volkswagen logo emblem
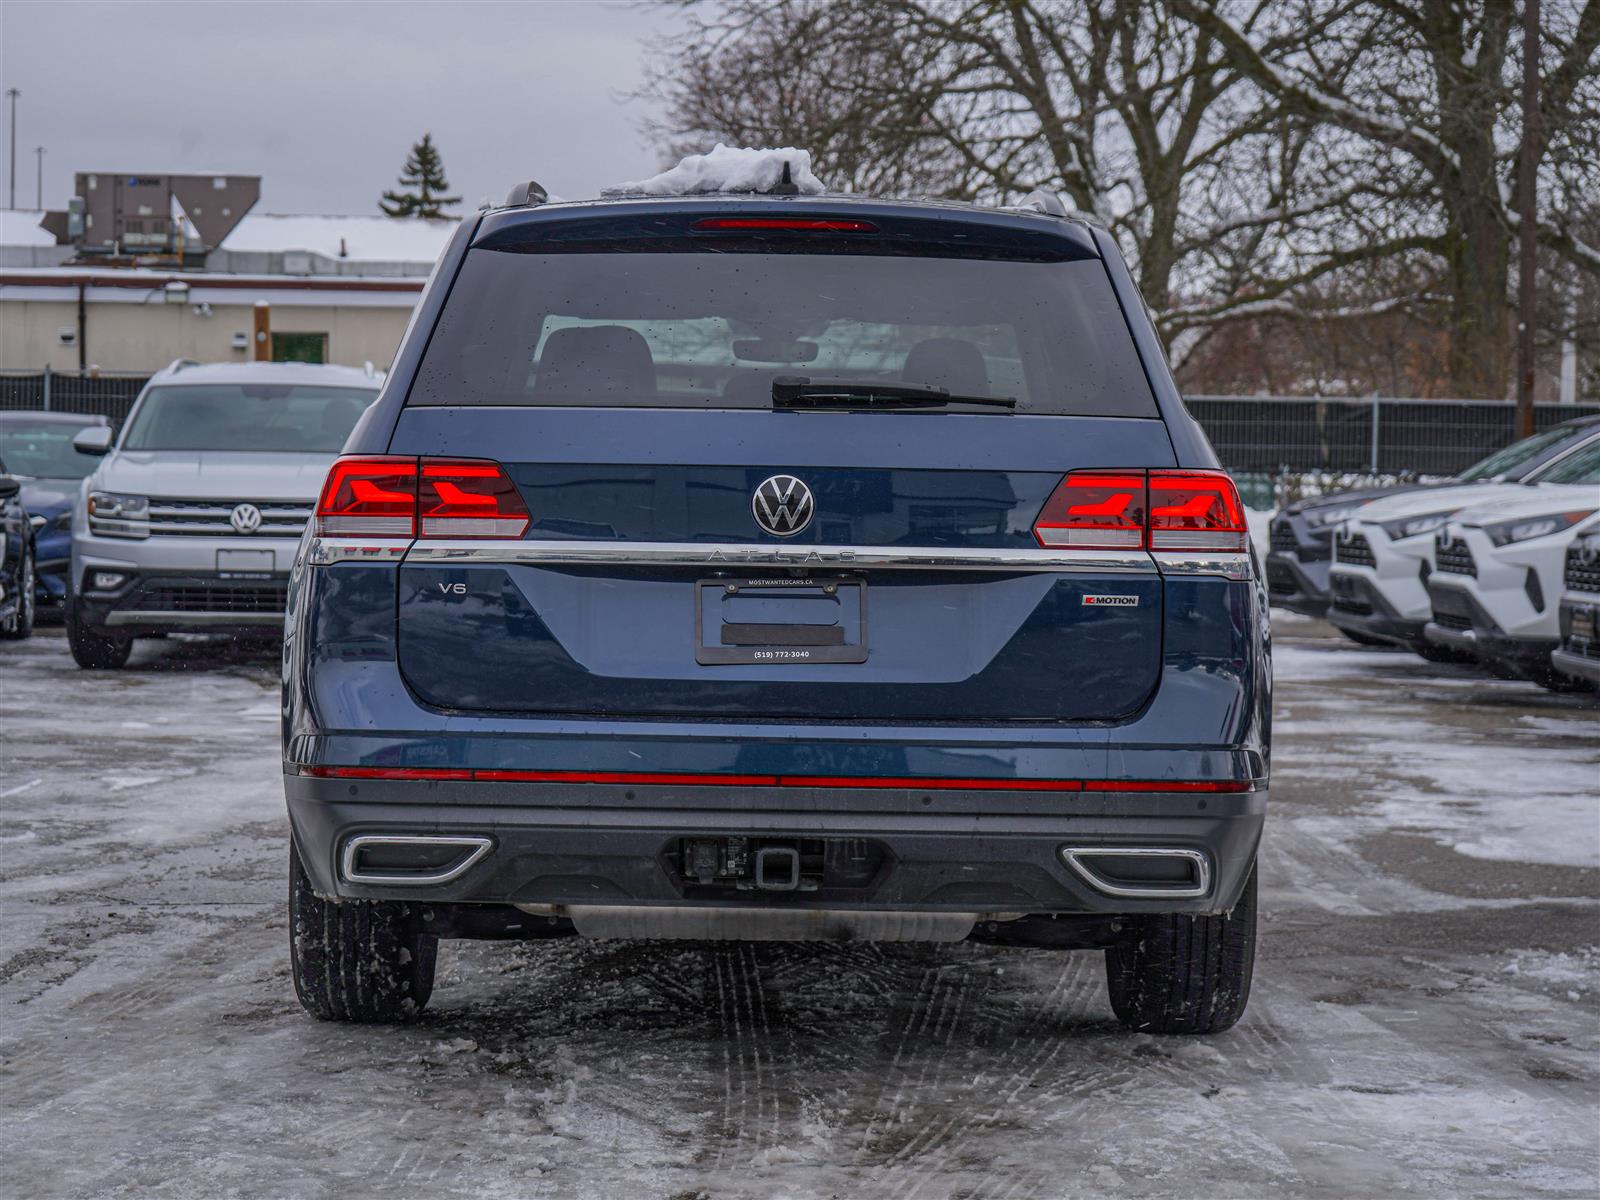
[246,518]
[783,505]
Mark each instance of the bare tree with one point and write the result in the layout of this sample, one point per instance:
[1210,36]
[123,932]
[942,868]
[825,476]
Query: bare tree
[1136,117]
[1427,87]
[1321,160]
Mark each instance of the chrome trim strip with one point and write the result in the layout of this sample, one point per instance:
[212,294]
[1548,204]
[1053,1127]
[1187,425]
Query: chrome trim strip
[712,554]
[321,551]
[177,616]
[347,860]
[1228,564]
[1202,871]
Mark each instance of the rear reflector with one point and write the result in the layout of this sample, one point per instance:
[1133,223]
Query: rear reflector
[385,496]
[1144,510]
[643,778]
[787,224]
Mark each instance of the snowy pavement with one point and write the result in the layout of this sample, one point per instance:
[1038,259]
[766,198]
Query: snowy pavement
[1426,1018]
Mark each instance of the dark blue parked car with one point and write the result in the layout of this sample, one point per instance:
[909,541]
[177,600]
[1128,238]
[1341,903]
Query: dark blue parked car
[37,446]
[778,567]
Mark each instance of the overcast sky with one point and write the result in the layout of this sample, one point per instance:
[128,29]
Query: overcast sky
[323,100]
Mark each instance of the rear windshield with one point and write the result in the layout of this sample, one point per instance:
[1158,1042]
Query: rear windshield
[248,416]
[685,330]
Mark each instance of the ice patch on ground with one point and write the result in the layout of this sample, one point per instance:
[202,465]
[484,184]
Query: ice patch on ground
[727,169]
[1578,972]
[1523,791]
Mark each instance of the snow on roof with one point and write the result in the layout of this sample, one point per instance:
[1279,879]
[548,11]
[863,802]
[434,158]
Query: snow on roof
[363,238]
[727,169]
[273,372]
[20,227]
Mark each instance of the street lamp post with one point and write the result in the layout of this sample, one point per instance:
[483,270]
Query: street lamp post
[12,94]
[38,202]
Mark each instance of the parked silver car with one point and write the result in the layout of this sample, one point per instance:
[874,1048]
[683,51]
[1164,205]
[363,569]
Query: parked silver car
[191,522]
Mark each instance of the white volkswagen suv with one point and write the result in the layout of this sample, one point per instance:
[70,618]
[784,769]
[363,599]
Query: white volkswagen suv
[191,521]
[1497,580]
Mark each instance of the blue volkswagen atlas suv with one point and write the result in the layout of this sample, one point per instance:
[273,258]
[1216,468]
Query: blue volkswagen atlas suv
[780,568]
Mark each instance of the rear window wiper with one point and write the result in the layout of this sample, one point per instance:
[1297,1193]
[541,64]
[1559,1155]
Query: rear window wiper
[799,392]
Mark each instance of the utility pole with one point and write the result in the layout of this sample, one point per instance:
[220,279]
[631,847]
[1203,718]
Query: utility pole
[1528,225]
[38,203]
[12,94]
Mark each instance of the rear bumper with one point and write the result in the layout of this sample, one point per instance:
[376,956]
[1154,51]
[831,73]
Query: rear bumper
[941,851]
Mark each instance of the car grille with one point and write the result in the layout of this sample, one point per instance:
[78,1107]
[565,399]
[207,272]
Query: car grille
[210,518]
[221,597]
[1583,573]
[1454,558]
[1350,604]
[1283,538]
[1354,551]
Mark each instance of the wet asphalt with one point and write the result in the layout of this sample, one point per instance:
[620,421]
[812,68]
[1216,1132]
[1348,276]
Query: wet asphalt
[1425,1022]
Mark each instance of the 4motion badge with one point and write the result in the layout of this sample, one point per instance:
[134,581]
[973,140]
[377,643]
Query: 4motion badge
[1111,602]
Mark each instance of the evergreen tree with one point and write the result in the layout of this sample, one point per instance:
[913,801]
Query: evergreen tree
[422,185]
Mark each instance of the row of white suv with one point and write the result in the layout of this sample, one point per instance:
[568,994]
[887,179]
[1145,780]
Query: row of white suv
[1494,572]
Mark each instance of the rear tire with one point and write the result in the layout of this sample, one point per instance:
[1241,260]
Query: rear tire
[1177,974]
[20,624]
[365,961]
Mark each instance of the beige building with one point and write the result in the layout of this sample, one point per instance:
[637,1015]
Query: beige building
[69,318]
[321,289]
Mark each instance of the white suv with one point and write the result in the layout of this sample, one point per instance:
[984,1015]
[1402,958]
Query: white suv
[191,521]
[1497,579]
[1383,557]
[1578,656]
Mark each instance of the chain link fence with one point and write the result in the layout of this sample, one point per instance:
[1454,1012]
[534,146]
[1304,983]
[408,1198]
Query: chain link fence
[105,393]
[1259,437]
[1372,436]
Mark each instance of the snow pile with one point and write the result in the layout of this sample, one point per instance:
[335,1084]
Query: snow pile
[358,238]
[20,227]
[727,169]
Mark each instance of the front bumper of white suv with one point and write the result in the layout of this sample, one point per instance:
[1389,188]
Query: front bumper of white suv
[187,577]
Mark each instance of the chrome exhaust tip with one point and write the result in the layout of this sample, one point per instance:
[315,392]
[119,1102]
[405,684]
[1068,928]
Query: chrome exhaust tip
[410,860]
[1142,872]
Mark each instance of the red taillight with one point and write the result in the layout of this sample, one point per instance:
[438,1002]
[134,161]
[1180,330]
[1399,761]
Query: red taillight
[393,497]
[369,497]
[790,224]
[1134,510]
[1196,510]
[469,499]
[1095,510]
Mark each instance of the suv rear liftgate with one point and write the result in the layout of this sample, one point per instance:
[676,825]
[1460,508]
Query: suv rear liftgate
[743,568]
